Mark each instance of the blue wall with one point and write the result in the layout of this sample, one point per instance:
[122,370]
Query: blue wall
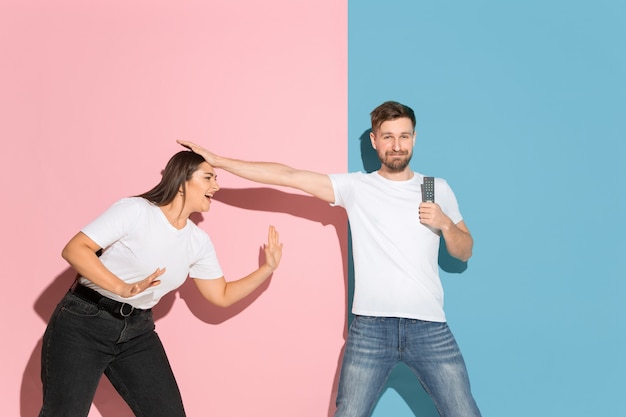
[521,106]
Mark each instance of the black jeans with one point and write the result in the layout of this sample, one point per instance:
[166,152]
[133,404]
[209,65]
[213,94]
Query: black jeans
[82,342]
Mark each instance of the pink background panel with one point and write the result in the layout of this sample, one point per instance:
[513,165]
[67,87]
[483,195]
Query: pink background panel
[93,97]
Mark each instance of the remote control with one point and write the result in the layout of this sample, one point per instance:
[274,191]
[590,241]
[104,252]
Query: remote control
[428,190]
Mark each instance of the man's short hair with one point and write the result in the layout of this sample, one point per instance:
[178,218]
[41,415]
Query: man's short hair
[390,110]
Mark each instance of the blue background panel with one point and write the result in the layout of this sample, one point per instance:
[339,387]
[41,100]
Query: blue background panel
[521,106]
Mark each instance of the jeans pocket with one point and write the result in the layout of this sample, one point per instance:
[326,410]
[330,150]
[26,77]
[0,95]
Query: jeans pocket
[76,306]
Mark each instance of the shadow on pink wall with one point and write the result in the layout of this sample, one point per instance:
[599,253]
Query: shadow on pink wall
[306,207]
[106,400]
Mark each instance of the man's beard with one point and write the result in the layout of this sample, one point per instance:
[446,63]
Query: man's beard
[394,164]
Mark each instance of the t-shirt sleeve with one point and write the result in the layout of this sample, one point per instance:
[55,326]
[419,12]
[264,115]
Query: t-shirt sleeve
[114,223]
[206,265]
[340,183]
[447,200]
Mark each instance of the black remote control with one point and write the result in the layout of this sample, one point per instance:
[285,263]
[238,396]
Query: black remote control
[428,190]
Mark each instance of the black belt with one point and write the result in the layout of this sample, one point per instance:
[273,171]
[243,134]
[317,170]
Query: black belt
[104,303]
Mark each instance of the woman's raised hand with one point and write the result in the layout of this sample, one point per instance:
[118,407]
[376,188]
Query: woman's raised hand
[273,249]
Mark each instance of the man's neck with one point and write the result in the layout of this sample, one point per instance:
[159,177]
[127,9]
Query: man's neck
[404,175]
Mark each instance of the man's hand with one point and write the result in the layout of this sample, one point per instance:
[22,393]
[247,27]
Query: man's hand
[430,214]
[459,242]
[208,156]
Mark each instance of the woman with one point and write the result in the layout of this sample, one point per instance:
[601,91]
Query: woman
[104,323]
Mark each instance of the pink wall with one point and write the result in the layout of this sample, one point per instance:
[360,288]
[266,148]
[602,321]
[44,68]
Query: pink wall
[93,96]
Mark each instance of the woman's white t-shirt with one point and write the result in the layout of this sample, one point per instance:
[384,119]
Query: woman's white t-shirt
[137,238]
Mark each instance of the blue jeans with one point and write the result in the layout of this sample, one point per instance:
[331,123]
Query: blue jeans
[82,342]
[376,344]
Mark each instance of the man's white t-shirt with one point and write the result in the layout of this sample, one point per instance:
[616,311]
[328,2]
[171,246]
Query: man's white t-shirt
[137,238]
[395,256]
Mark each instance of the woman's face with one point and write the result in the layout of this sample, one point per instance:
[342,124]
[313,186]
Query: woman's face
[200,188]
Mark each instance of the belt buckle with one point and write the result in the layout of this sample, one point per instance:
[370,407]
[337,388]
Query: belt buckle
[122,313]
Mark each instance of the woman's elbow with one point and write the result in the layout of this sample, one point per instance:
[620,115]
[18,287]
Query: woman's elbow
[66,253]
[220,302]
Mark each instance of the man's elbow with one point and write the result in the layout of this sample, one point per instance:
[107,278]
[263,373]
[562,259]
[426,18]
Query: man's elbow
[462,255]
[465,257]
[466,251]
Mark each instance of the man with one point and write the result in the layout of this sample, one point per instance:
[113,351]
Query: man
[398,297]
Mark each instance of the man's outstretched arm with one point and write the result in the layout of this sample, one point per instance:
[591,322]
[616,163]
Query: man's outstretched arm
[314,183]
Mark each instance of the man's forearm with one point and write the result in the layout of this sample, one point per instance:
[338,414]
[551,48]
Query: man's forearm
[263,172]
[272,173]
[459,243]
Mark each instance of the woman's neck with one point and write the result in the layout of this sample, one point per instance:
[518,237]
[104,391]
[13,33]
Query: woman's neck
[175,214]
